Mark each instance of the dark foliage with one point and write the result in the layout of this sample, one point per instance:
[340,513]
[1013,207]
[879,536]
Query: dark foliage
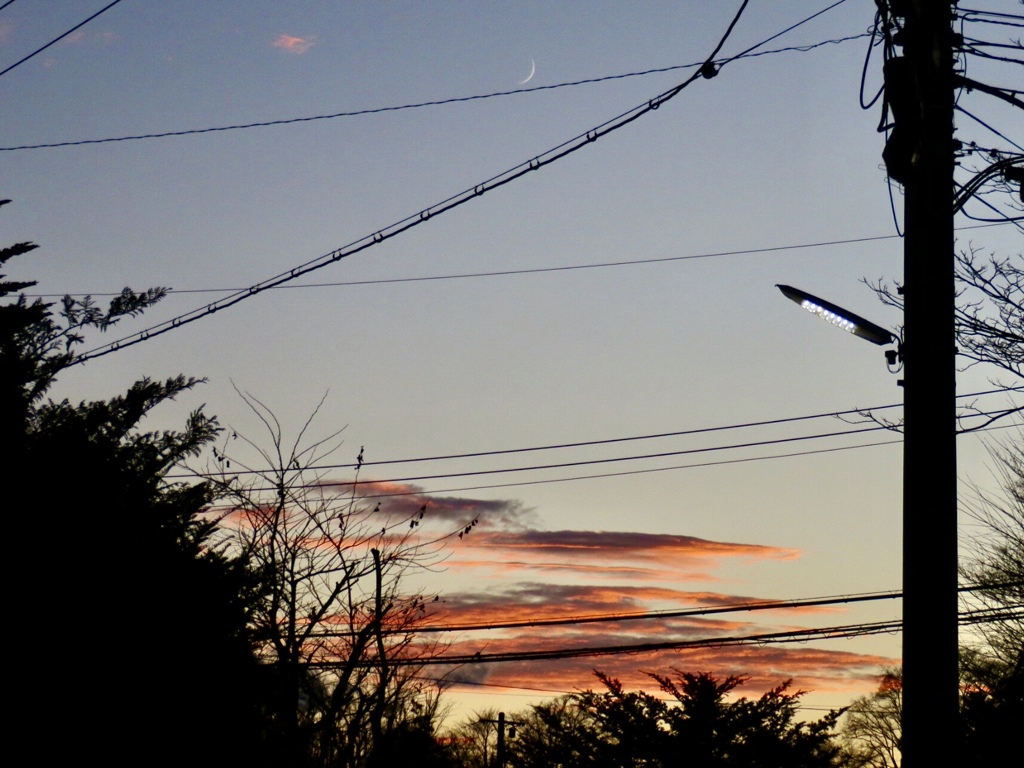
[702,727]
[135,622]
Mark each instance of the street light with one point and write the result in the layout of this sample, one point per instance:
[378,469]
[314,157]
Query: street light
[836,315]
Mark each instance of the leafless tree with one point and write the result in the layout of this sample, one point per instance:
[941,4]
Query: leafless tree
[989,324]
[336,607]
[993,562]
[871,726]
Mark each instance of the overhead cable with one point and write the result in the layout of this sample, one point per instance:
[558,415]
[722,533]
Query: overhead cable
[610,440]
[550,156]
[982,123]
[586,462]
[744,607]
[583,443]
[419,105]
[371,496]
[760,605]
[324,484]
[57,39]
[761,638]
[626,473]
[525,271]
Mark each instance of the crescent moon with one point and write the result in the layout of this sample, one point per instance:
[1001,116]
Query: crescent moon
[533,71]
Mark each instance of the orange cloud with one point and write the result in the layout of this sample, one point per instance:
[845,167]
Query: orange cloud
[613,547]
[581,569]
[811,669]
[405,499]
[295,45]
[609,572]
[539,601]
[822,670]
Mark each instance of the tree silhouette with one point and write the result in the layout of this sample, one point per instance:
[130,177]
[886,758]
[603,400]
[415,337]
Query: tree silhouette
[136,624]
[992,657]
[334,612]
[702,725]
[871,728]
[991,653]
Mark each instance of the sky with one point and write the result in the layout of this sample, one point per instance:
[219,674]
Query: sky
[625,290]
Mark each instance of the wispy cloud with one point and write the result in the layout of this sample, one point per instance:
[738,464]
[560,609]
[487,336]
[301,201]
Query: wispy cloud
[537,601]
[603,570]
[405,500]
[824,671]
[654,546]
[668,553]
[811,668]
[520,572]
[294,45]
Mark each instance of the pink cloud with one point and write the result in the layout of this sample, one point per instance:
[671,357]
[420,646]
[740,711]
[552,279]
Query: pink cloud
[610,572]
[811,669]
[295,45]
[581,569]
[539,601]
[405,500]
[608,547]
[822,670]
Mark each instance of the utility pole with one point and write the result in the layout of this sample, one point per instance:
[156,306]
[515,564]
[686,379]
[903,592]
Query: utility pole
[501,722]
[920,155]
[501,740]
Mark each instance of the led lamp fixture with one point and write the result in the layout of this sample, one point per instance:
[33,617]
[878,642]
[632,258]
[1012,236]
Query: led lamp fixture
[836,315]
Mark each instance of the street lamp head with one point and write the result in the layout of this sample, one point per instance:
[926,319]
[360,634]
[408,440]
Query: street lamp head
[836,315]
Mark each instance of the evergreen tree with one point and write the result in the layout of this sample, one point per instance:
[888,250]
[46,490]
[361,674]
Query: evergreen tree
[134,621]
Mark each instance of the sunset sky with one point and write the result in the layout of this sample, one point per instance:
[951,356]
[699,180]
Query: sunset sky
[624,291]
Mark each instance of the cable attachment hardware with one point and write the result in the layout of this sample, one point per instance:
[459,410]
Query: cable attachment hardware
[708,70]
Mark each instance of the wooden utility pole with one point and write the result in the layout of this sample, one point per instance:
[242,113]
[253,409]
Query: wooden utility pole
[501,722]
[501,740]
[921,157]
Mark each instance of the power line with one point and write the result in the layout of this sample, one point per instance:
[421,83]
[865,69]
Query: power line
[597,476]
[526,271]
[746,607]
[56,39]
[610,440]
[508,272]
[573,478]
[982,123]
[557,465]
[709,69]
[590,462]
[763,638]
[996,22]
[444,681]
[602,475]
[582,444]
[483,684]
[761,605]
[432,103]
[975,12]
